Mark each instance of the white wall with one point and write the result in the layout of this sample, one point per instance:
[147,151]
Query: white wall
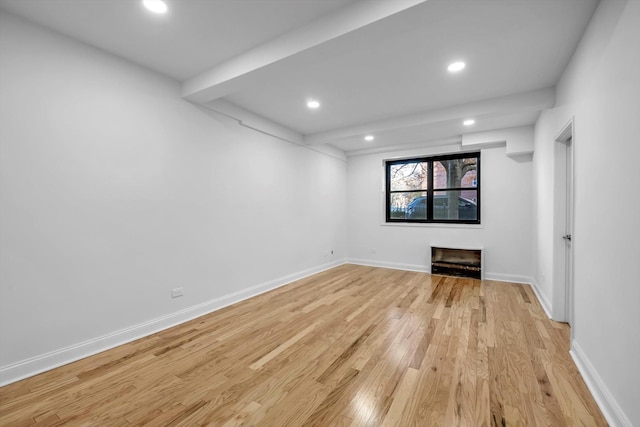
[505,233]
[114,190]
[601,90]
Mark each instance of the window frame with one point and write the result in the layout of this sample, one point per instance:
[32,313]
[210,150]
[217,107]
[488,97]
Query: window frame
[430,160]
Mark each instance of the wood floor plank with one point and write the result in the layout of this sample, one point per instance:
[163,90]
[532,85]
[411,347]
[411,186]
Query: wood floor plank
[402,396]
[351,346]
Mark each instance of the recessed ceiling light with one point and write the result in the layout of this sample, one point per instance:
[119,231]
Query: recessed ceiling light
[468,122]
[369,138]
[313,104]
[454,67]
[155,6]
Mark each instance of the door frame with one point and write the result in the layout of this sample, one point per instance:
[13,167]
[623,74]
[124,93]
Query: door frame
[564,214]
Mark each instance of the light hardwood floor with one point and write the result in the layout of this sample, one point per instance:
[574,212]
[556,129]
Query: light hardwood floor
[355,345]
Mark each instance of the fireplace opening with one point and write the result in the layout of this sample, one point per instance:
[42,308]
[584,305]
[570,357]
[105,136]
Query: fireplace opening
[456,262]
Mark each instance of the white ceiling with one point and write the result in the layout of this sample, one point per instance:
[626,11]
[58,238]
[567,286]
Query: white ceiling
[377,66]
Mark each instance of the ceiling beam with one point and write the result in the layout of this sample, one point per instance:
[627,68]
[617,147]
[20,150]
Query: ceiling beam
[251,65]
[536,100]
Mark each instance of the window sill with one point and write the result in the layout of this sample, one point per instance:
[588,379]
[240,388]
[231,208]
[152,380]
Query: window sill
[431,225]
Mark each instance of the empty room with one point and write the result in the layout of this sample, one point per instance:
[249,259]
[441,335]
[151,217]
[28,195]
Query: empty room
[319,212]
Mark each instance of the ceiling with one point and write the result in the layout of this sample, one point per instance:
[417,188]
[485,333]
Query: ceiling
[377,66]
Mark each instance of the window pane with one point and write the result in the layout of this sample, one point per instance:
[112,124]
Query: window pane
[455,173]
[408,176]
[455,205]
[409,205]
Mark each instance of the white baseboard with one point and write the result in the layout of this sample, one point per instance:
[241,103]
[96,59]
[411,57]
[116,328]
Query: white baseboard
[544,301]
[607,403]
[391,265]
[427,269]
[512,278]
[44,362]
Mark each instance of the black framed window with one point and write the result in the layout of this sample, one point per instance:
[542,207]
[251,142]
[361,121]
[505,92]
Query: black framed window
[438,189]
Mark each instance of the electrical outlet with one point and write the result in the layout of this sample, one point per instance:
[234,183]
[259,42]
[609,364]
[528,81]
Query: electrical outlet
[176,292]
[374,251]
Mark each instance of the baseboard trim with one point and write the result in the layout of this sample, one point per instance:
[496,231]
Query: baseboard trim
[391,265]
[511,278]
[426,269]
[45,362]
[544,301]
[612,412]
